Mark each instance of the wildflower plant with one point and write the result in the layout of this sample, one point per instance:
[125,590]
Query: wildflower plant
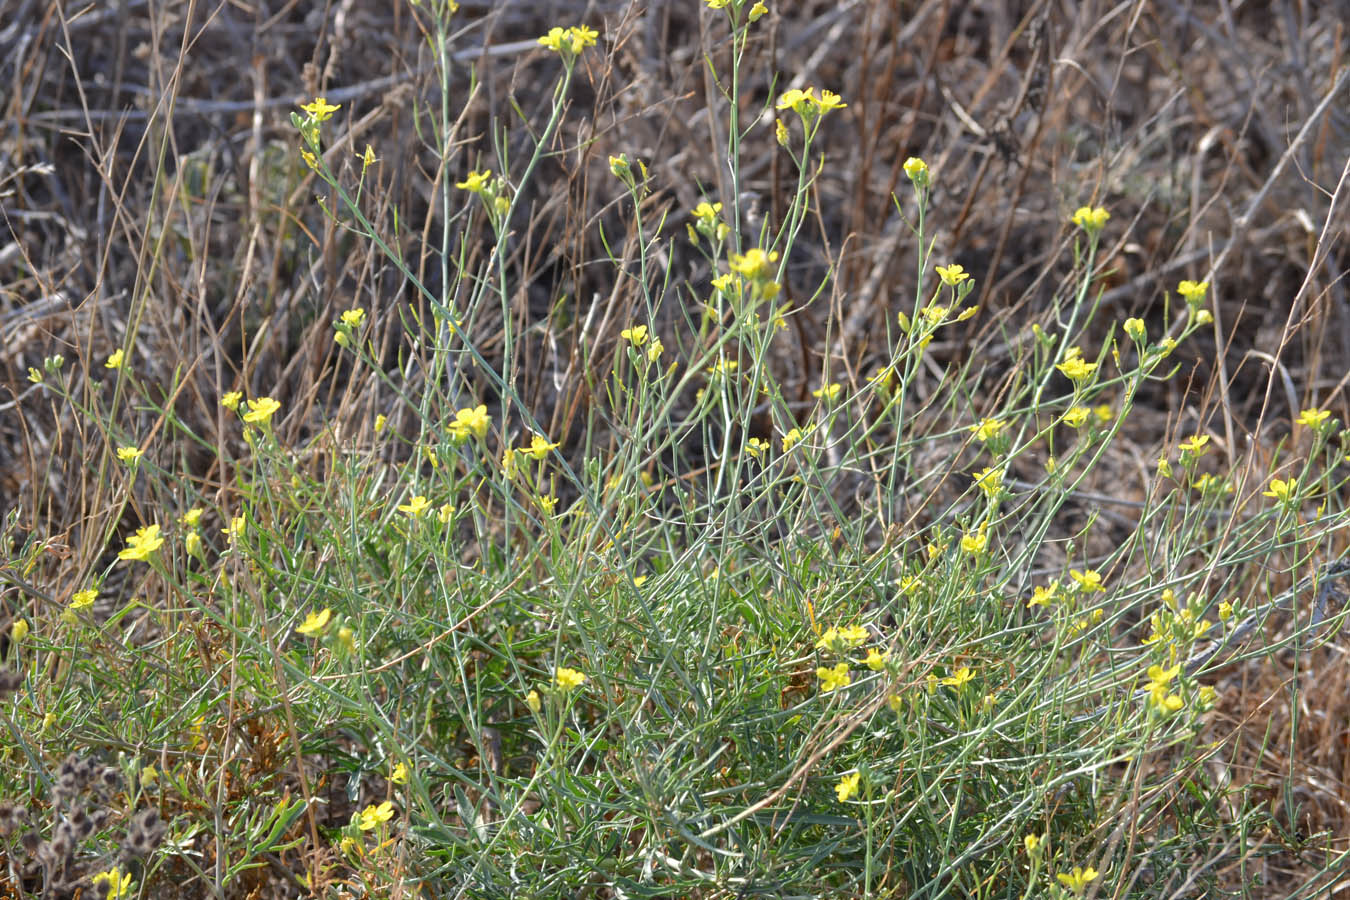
[699,627]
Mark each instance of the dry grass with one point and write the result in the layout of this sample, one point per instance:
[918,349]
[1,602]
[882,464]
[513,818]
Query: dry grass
[152,199]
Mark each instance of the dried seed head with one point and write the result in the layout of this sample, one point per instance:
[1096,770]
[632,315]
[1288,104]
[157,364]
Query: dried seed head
[143,834]
[12,817]
[30,843]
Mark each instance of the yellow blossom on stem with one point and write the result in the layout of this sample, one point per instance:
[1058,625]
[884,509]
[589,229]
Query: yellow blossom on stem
[1088,581]
[1193,292]
[754,263]
[353,318]
[1194,445]
[320,110]
[833,678]
[116,360]
[1076,416]
[960,678]
[1075,368]
[1312,418]
[416,506]
[315,622]
[539,447]
[636,335]
[876,660]
[847,786]
[260,411]
[471,421]
[141,544]
[83,599]
[988,429]
[1283,490]
[476,182]
[917,171]
[230,400]
[130,455]
[989,481]
[1091,220]
[373,816]
[1078,880]
[568,679]
[952,275]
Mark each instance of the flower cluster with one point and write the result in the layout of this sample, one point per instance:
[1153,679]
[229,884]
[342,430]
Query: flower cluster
[569,42]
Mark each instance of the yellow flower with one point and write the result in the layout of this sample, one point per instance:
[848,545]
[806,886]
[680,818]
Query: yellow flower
[1088,581]
[115,360]
[445,513]
[976,541]
[373,816]
[1136,330]
[193,517]
[416,506]
[368,158]
[829,100]
[935,314]
[917,170]
[1076,416]
[193,544]
[1282,490]
[539,447]
[399,775]
[1091,220]
[112,884]
[1312,418]
[1225,611]
[1043,595]
[988,429]
[618,165]
[320,110]
[636,335]
[759,9]
[756,447]
[797,100]
[476,183]
[847,786]
[829,392]
[1074,367]
[1033,844]
[1194,445]
[315,622]
[353,318]
[260,411]
[952,275]
[141,544]
[1193,292]
[1103,412]
[894,702]
[568,679]
[754,263]
[792,439]
[959,678]
[83,599]
[234,529]
[989,481]
[1164,467]
[548,504]
[19,630]
[231,400]
[470,421]
[1078,880]
[833,678]
[347,639]
[876,660]
[569,40]
[533,702]
[130,455]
